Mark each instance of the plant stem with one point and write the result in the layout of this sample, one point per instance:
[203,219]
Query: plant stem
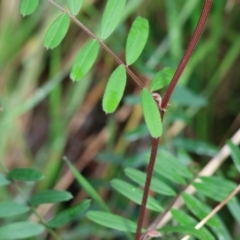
[189,51]
[150,168]
[169,91]
[104,46]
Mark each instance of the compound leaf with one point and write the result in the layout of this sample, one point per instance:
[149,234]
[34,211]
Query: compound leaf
[28,6]
[111,17]
[151,114]
[20,230]
[84,60]
[137,39]
[74,6]
[112,221]
[57,31]
[162,78]
[114,90]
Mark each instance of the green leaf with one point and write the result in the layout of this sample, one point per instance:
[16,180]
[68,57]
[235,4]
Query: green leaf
[187,230]
[162,78]
[151,114]
[69,215]
[25,174]
[9,209]
[87,186]
[137,39]
[235,153]
[185,220]
[199,209]
[111,17]
[182,218]
[28,6]
[20,230]
[198,147]
[84,60]
[57,31]
[112,221]
[186,97]
[114,90]
[134,194]
[4,180]
[50,196]
[216,188]
[168,166]
[74,6]
[156,185]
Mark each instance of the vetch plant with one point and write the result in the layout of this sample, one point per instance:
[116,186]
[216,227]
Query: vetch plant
[26,229]
[164,171]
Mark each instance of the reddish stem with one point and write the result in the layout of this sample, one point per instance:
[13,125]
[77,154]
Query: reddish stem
[172,85]
[147,186]
[188,53]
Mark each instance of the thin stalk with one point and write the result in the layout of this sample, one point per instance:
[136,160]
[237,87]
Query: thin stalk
[150,168]
[169,91]
[104,46]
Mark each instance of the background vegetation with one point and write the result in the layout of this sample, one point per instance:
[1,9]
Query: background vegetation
[45,116]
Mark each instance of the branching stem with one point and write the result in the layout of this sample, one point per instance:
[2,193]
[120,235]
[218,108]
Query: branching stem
[172,85]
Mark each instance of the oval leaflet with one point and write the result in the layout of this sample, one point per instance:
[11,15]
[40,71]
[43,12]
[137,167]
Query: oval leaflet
[162,78]
[84,60]
[27,7]
[74,6]
[57,31]
[137,39]
[114,90]
[111,17]
[151,114]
